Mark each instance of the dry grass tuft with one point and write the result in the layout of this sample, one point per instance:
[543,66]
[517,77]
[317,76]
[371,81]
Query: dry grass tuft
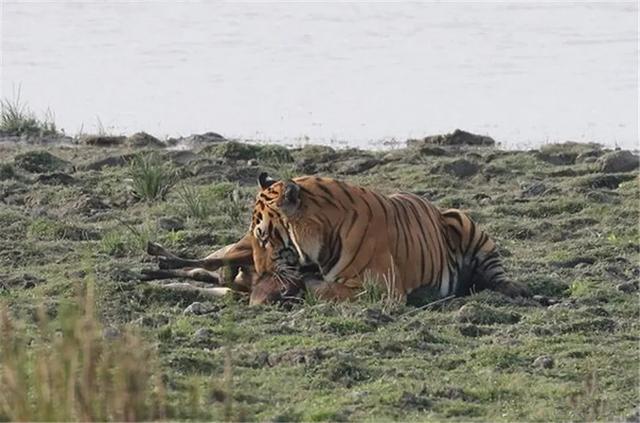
[75,370]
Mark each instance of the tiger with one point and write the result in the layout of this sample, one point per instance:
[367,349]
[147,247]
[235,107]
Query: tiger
[354,235]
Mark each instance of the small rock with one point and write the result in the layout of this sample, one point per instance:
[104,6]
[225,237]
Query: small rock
[111,161]
[619,161]
[252,162]
[195,308]
[461,168]
[544,362]
[355,166]
[103,140]
[557,158]
[541,299]
[170,224]
[142,139]
[56,178]
[608,181]
[198,140]
[458,137]
[628,287]
[40,162]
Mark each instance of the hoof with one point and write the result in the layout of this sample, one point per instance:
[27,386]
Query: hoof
[154,249]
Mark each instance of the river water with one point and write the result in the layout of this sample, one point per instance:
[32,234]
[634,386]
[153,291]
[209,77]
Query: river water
[357,73]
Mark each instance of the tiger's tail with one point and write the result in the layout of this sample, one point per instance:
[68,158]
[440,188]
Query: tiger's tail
[478,263]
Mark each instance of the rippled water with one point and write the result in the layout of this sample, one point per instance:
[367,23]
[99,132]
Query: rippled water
[523,73]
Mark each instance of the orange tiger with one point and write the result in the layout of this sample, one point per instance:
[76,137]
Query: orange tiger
[352,233]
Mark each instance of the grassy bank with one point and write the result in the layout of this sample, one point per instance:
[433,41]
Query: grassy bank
[565,217]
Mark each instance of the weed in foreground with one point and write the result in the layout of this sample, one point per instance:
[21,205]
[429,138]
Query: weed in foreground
[150,177]
[77,372]
[588,405]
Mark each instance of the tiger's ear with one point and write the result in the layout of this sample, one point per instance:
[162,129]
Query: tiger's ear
[290,201]
[265,180]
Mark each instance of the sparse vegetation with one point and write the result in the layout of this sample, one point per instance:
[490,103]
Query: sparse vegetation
[196,205]
[17,119]
[151,178]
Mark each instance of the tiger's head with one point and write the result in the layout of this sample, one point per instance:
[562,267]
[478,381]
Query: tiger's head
[272,243]
[275,202]
[276,259]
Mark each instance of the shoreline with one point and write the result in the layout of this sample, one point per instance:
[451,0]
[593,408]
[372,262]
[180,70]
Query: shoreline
[195,141]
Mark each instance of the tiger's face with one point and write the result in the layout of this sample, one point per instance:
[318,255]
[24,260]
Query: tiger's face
[269,225]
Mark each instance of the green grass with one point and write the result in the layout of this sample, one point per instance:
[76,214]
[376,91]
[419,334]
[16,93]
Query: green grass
[196,205]
[373,359]
[151,177]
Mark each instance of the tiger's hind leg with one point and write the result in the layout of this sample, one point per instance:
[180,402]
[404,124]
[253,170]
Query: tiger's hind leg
[489,274]
[480,265]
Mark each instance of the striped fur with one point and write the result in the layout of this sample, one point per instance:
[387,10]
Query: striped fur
[353,233]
